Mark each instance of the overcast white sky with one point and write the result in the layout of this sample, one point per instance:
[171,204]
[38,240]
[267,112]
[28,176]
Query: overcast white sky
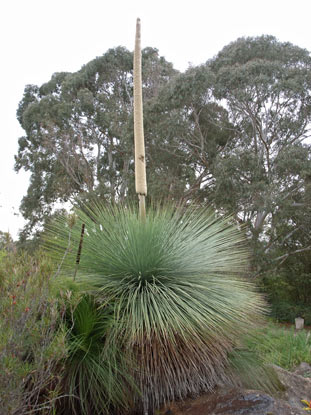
[40,37]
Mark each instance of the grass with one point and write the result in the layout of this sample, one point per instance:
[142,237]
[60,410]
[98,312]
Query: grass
[282,346]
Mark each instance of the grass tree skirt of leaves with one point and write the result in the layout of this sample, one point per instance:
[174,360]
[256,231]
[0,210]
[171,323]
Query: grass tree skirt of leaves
[169,303]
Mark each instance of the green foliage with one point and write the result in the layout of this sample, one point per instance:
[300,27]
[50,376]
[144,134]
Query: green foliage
[179,303]
[53,356]
[282,346]
[285,311]
[289,289]
[95,378]
[32,345]
[185,128]
[6,242]
[262,176]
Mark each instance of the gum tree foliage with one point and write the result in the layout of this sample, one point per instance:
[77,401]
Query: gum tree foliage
[79,131]
[189,128]
[266,86]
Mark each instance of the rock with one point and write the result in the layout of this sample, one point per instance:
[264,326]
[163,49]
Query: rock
[235,401]
[231,401]
[225,401]
[299,323]
[297,387]
[304,369]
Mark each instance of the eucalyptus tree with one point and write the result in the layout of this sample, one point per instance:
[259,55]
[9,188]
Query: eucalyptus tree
[78,130]
[185,129]
[266,87]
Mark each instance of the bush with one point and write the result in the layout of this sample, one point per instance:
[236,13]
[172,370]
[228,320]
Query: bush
[287,312]
[31,344]
[53,358]
[289,289]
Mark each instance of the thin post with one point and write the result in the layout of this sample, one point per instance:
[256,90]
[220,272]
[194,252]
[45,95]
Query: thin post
[140,159]
[79,251]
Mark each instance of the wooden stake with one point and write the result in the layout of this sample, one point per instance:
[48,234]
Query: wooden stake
[79,251]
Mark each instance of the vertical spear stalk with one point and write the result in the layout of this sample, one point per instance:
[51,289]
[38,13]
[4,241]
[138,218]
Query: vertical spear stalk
[140,160]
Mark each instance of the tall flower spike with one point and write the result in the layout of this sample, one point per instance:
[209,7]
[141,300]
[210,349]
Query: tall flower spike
[140,159]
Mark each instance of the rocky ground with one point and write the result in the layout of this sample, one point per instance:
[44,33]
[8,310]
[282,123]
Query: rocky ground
[234,401]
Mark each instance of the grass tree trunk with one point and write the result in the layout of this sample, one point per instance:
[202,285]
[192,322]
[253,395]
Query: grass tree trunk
[140,160]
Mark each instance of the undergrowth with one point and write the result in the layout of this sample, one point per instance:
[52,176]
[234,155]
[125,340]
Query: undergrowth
[282,346]
[32,344]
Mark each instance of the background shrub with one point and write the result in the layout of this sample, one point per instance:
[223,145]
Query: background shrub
[289,289]
[32,344]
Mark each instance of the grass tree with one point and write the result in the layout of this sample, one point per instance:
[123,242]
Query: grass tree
[172,283]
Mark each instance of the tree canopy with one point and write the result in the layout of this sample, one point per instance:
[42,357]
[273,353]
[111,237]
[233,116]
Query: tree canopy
[266,86]
[79,133]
